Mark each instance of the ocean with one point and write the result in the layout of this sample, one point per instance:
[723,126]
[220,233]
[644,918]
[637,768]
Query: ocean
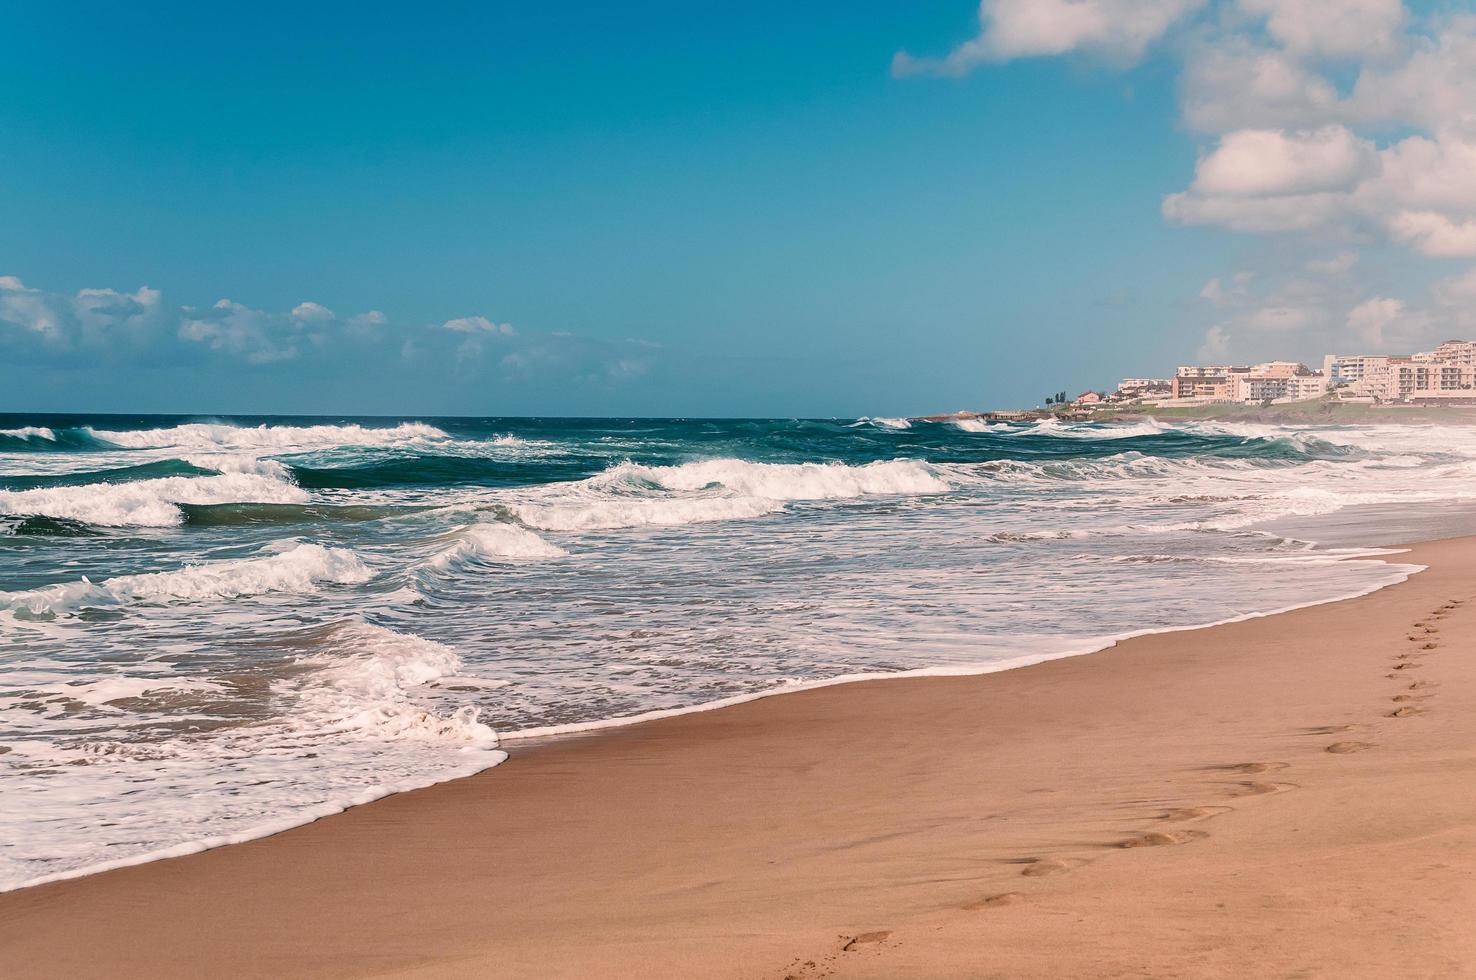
[215,628]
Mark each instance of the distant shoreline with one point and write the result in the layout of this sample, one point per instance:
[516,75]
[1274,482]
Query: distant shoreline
[1292,413]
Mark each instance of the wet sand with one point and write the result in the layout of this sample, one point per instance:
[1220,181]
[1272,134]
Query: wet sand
[1291,796]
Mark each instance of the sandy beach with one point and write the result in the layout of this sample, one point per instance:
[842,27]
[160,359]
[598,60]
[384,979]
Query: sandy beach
[1287,796]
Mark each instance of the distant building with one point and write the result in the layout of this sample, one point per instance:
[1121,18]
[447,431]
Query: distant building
[1088,398]
[1210,383]
[1276,381]
[1136,388]
[1444,375]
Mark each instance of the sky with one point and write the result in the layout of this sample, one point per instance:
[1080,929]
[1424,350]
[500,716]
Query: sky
[665,209]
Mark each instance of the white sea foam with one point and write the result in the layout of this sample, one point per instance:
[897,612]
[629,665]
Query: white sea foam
[297,568]
[608,514]
[1115,430]
[252,465]
[112,689]
[970,425]
[356,728]
[632,495]
[882,423]
[786,481]
[147,503]
[363,682]
[200,435]
[498,542]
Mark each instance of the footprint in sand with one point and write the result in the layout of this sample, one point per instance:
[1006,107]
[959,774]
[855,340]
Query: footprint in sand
[1406,712]
[1253,788]
[1406,665]
[1429,646]
[1249,767]
[866,939]
[1327,729]
[1187,813]
[1342,748]
[1161,838]
[994,902]
[1421,685]
[1040,867]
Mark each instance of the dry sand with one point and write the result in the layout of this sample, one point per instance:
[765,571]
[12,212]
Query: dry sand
[1293,796]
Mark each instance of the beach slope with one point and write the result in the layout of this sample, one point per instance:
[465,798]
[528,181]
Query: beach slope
[1287,796]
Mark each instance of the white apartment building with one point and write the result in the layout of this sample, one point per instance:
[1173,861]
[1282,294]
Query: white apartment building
[1254,388]
[1342,369]
[1443,375]
[1144,387]
[1251,384]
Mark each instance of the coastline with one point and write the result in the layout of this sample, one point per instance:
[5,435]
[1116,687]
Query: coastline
[751,840]
[528,738]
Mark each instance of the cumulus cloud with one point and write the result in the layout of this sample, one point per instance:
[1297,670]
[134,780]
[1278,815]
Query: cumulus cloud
[1339,120]
[1268,162]
[1374,319]
[312,312]
[1324,305]
[1120,30]
[1234,83]
[1332,28]
[478,325]
[1419,192]
[87,320]
[94,325]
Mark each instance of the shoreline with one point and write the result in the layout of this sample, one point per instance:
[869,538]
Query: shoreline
[442,866]
[530,738]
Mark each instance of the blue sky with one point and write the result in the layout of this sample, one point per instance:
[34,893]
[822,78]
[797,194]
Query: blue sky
[660,209]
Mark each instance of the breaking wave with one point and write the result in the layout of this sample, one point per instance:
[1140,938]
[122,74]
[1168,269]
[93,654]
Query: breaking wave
[201,435]
[147,503]
[363,680]
[27,433]
[296,569]
[604,515]
[496,542]
[785,481]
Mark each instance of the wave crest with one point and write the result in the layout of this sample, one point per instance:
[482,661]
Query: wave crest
[496,541]
[201,435]
[786,481]
[147,503]
[295,569]
[363,682]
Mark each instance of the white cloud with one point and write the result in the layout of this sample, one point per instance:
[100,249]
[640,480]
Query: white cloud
[1216,346]
[1457,290]
[1263,162]
[1336,265]
[106,326]
[312,312]
[1332,28]
[478,324]
[1235,84]
[87,318]
[1372,320]
[230,327]
[1434,234]
[1117,29]
[1258,215]
[1420,191]
[1433,88]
